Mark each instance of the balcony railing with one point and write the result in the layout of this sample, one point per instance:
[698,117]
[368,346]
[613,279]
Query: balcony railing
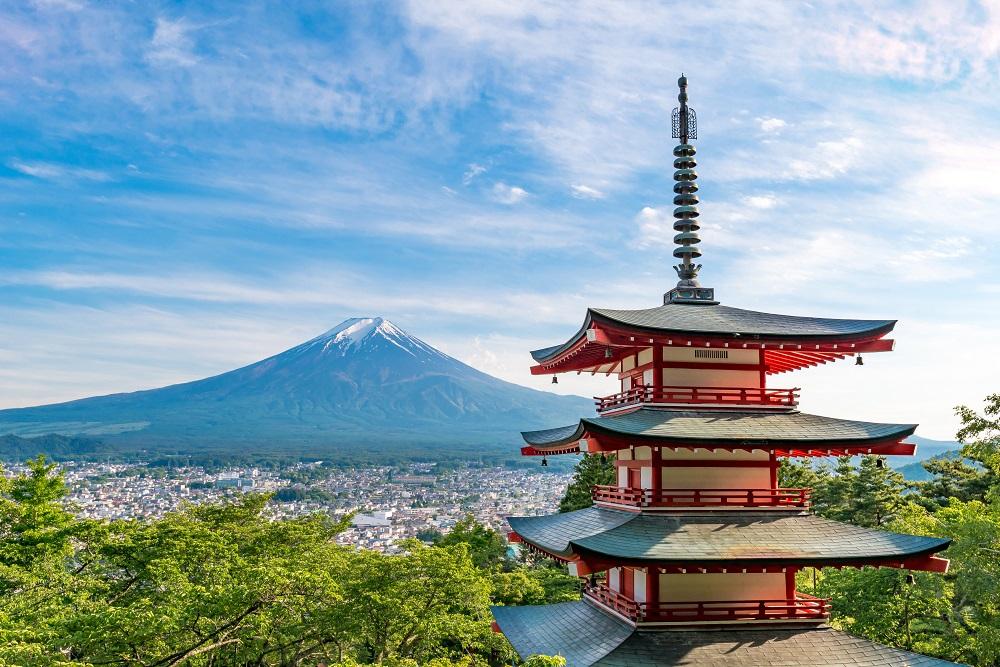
[723,396]
[802,607]
[625,606]
[701,497]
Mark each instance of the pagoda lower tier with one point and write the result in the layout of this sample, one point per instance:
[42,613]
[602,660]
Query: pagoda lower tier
[586,635]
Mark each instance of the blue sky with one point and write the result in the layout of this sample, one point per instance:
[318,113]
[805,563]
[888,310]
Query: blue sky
[186,188]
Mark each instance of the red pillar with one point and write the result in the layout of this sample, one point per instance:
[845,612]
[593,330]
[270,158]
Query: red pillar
[652,591]
[658,367]
[656,474]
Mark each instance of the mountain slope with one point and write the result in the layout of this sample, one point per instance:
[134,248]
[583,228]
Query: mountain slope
[364,382]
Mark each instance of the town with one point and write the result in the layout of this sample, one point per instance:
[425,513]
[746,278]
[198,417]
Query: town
[389,504]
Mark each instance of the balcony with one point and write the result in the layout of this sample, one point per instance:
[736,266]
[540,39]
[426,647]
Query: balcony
[668,498]
[713,396]
[802,607]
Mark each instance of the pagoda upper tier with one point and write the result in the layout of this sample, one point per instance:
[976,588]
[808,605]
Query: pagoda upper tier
[609,337]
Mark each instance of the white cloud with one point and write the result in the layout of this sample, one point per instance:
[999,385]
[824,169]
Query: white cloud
[471,173]
[508,194]
[655,226]
[762,202]
[826,160]
[51,171]
[586,192]
[770,124]
[171,43]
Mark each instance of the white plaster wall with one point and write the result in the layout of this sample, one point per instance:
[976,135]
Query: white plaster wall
[646,477]
[623,477]
[628,363]
[646,356]
[682,454]
[647,377]
[639,578]
[696,377]
[613,579]
[721,587]
[643,453]
[716,478]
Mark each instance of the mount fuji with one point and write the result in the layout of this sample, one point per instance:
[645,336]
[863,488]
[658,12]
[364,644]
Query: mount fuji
[363,385]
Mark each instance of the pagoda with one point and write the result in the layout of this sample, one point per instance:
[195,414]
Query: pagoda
[690,558]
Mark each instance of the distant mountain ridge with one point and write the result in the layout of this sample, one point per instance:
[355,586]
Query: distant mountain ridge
[364,383]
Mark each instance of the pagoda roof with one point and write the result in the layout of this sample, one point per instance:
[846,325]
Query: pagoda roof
[585,635]
[717,538]
[757,428]
[786,342]
[718,320]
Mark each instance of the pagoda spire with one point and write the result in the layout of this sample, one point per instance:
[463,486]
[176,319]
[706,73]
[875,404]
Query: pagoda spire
[685,128]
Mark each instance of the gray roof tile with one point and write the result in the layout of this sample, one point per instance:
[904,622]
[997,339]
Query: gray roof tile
[716,537]
[714,320]
[585,636]
[757,426]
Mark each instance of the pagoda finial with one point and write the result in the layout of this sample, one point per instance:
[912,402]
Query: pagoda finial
[685,127]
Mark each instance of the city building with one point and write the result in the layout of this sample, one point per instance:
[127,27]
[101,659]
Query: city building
[690,558]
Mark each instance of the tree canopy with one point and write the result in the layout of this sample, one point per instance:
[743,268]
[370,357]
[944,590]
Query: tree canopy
[221,584]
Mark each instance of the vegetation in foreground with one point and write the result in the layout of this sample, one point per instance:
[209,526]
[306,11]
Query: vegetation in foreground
[223,585]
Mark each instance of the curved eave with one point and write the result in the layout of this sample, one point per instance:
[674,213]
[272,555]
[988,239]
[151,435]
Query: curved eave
[604,431]
[722,540]
[782,432]
[586,635]
[787,346]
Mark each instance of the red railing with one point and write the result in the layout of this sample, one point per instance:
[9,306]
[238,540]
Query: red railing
[625,606]
[700,395]
[701,497]
[802,607]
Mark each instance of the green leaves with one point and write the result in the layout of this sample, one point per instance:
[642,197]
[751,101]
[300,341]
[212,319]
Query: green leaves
[224,584]
[592,469]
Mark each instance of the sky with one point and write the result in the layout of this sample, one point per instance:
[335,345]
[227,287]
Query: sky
[189,187]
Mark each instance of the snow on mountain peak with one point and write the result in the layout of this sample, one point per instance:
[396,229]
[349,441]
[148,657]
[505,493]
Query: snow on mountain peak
[354,331]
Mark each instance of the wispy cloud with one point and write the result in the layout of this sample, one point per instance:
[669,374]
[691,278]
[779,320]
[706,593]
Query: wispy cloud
[172,43]
[471,173]
[770,124]
[508,194]
[56,171]
[586,192]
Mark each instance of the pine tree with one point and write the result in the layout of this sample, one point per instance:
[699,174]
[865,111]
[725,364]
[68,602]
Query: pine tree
[592,469]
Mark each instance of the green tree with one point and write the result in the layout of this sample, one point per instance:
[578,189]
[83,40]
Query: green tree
[430,603]
[971,474]
[592,469]
[955,616]
[487,547]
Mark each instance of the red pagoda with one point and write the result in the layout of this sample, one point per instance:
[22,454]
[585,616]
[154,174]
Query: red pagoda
[690,559]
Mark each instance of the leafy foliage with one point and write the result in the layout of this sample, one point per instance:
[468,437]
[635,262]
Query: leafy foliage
[592,469]
[220,584]
[955,616]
